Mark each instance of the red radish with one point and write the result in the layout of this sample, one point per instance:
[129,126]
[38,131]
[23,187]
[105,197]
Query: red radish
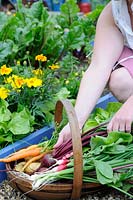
[59,168]
[62,162]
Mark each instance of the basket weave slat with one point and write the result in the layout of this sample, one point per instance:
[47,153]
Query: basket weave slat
[61,191]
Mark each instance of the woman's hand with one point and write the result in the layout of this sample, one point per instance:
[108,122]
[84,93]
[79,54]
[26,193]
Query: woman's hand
[123,119]
[64,135]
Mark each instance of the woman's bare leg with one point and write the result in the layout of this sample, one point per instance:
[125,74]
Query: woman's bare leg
[121,84]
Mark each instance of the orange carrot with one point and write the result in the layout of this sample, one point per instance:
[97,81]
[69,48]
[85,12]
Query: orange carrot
[32,152]
[25,149]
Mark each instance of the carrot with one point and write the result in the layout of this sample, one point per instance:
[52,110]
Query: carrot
[25,149]
[32,152]
[33,159]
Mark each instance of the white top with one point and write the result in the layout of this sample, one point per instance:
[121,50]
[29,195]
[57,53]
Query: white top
[122,20]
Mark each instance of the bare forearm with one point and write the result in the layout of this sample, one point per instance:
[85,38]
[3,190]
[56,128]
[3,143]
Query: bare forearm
[105,55]
[91,88]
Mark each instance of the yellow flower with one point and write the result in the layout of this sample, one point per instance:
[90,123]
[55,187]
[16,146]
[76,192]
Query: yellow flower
[5,70]
[41,57]
[15,81]
[53,67]
[9,80]
[3,93]
[18,82]
[37,72]
[33,82]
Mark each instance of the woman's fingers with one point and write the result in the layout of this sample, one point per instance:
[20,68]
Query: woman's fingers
[119,124]
[128,125]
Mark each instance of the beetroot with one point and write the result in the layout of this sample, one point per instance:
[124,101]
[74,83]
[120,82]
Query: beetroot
[47,161]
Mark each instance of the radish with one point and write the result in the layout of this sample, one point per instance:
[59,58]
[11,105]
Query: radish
[59,168]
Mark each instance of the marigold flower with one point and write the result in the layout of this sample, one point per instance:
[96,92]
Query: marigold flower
[41,57]
[18,82]
[37,72]
[9,80]
[15,81]
[33,82]
[4,93]
[53,67]
[5,70]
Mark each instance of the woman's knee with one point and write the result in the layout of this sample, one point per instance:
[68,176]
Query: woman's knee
[121,84]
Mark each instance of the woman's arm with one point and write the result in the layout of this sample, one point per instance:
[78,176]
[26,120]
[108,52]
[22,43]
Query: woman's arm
[107,49]
[123,119]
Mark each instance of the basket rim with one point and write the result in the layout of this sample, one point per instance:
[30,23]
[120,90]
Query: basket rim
[57,184]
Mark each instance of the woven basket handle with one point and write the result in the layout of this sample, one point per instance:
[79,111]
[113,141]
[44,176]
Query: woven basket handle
[76,141]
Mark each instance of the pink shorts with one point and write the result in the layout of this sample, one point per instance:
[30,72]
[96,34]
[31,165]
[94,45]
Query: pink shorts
[126,60]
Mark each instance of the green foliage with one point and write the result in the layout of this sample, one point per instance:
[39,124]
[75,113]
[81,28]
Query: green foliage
[14,125]
[35,30]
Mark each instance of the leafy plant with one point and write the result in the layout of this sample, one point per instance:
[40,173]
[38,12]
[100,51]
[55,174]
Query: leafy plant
[14,125]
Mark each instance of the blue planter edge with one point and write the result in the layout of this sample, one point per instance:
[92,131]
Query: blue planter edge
[104,100]
[38,135]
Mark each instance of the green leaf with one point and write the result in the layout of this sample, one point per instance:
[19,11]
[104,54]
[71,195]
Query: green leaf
[2,139]
[5,114]
[63,93]
[115,149]
[21,123]
[36,10]
[69,10]
[5,49]
[113,107]
[89,124]
[9,138]
[104,172]
[3,20]
[119,137]
[111,139]
[97,141]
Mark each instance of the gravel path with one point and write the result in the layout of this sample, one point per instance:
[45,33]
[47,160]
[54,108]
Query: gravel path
[8,193]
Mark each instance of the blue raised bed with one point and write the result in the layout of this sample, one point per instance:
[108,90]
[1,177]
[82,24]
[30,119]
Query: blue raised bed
[103,101]
[37,136]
